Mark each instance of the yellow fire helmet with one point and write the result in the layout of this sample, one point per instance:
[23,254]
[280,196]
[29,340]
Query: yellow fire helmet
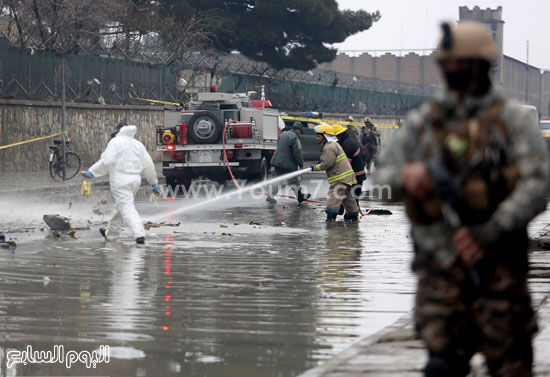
[337,129]
[324,128]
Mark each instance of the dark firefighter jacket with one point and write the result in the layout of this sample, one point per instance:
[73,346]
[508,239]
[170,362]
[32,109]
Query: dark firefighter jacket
[353,152]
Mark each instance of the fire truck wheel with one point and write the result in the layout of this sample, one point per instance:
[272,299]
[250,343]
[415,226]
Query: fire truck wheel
[204,128]
[261,174]
[264,169]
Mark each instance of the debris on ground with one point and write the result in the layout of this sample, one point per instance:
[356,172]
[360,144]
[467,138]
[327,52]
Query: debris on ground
[9,244]
[170,224]
[543,241]
[59,225]
[46,280]
[148,225]
[57,222]
[374,211]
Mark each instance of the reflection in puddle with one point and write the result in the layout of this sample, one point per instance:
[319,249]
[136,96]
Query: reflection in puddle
[279,294]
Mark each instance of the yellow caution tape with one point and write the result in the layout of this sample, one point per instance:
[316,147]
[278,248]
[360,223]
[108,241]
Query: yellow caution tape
[154,100]
[332,121]
[30,141]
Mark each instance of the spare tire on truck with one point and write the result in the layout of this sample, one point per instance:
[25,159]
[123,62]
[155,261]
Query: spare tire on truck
[204,128]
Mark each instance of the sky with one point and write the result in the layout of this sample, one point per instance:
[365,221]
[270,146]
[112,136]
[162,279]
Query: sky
[408,24]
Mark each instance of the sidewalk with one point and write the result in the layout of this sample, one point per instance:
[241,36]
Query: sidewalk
[30,183]
[395,351]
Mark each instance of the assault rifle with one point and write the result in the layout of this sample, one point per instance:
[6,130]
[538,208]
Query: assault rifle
[448,191]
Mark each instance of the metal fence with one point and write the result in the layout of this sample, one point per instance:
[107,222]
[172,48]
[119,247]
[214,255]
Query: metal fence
[37,75]
[303,96]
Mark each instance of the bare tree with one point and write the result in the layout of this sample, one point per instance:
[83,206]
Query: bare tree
[131,27]
[55,25]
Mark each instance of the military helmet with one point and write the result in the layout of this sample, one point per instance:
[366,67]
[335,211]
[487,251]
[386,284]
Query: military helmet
[466,40]
[366,119]
[349,118]
[324,128]
[337,129]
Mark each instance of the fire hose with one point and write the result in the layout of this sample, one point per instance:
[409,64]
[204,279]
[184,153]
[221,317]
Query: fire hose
[231,172]
[284,196]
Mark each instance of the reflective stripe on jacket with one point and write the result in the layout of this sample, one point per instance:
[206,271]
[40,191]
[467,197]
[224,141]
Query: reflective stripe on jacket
[336,164]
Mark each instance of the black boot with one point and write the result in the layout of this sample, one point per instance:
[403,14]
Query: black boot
[352,217]
[301,197]
[331,217]
[270,199]
[140,240]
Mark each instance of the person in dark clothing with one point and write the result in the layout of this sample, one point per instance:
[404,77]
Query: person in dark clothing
[353,151]
[288,158]
[370,138]
[290,127]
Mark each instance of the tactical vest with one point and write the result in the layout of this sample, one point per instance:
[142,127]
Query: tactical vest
[476,155]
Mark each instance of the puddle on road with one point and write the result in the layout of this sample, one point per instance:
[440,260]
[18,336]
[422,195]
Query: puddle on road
[251,290]
[272,292]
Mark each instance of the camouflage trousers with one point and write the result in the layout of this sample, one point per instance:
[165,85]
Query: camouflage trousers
[369,155]
[456,317]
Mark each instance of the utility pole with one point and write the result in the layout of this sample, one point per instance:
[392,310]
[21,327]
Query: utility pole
[63,145]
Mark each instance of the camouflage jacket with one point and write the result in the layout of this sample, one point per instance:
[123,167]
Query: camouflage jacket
[526,149]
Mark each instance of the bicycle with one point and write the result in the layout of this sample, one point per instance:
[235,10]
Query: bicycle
[72,165]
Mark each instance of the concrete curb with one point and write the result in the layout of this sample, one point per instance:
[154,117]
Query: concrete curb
[395,351]
[356,350]
[542,340]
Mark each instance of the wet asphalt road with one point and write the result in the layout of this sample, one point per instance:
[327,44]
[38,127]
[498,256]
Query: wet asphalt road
[238,288]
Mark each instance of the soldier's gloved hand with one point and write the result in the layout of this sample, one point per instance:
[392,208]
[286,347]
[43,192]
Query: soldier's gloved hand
[467,246]
[417,180]
[312,167]
[156,187]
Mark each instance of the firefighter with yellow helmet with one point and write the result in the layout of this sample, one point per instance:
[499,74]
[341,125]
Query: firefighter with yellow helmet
[472,170]
[339,173]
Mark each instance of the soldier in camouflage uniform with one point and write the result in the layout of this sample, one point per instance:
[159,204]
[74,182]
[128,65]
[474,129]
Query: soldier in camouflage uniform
[370,140]
[471,169]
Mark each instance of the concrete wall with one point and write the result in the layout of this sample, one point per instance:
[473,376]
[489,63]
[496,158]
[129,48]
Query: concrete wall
[89,127]
[410,69]
[545,100]
[526,84]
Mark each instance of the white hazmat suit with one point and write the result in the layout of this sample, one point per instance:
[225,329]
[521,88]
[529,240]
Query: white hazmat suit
[125,159]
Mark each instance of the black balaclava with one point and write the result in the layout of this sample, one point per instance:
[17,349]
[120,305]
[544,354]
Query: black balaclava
[474,79]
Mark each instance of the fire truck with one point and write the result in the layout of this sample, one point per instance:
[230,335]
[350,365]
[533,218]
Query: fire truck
[216,131]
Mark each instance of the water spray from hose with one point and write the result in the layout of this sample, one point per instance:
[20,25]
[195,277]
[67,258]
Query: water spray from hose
[236,192]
